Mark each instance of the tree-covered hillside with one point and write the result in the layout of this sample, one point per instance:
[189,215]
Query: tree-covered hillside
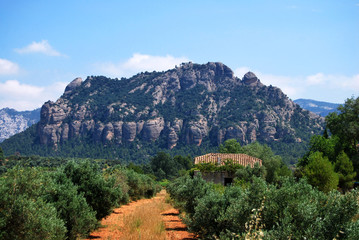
[187,110]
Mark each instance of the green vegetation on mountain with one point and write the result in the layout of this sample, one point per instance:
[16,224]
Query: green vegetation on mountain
[191,109]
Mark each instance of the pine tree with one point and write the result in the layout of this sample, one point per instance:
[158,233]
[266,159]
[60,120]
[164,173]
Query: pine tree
[344,168]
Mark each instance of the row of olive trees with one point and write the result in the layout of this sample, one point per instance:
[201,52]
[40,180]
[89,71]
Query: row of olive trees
[259,210]
[65,203]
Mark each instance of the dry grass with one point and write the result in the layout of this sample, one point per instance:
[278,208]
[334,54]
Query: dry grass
[146,222]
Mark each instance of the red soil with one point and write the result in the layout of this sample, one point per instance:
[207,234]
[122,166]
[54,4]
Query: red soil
[175,229]
[112,224]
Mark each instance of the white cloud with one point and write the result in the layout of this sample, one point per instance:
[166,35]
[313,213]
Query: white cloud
[283,82]
[14,94]
[40,47]
[7,67]
[316,79]
[287,84]
[319,86]
[139,63]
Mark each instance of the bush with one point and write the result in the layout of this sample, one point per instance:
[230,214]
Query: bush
[99,193]
[140,185]
[24,218]
[72,208]
[65,203]
[289,209]
[186,191]
[320,173]
[24,214]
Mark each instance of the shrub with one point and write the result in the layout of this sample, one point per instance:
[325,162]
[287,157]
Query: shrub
[140,185]
[288,210]
[24,218]
[186,191]
[24,214]
[72,208]
[99,193]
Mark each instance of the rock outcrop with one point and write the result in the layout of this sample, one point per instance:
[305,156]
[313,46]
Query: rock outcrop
[189,104]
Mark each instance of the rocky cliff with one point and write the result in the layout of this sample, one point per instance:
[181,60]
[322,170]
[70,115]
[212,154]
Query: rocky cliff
[12,121]
[190,104]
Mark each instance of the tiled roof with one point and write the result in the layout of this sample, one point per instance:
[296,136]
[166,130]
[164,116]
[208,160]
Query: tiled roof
[239,158]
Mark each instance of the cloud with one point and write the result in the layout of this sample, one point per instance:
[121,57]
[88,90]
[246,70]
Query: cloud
[40,47]
[283,82]
[328,87]
[19,96]
[316,79]
[139,63]
[7,67]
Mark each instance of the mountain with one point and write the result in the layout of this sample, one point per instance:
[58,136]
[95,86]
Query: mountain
[317,107]
[190,109]
[12,121]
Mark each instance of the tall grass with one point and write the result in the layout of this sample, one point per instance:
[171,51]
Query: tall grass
[145,222]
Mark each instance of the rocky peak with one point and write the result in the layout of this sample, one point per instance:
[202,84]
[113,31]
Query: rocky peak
[72,85]
[250,79]
[190,104]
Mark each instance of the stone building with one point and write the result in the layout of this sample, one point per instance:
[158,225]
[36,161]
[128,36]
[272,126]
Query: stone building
[224,177]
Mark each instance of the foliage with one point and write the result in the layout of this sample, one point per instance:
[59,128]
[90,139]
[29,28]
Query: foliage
[275,211]
[99,193]
[72,208]
[339,145]
[346,123]
[63,202]
[275,168]
[29,219]
[186,191]
[140,185]
[320,172]
[330,147]
[289,210]
[230,146]
[164,166]
[246,174]
[345,170]
[24,213]
[1,154]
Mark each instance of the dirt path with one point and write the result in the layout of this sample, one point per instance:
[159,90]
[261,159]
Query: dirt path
[175,229]
[144,219]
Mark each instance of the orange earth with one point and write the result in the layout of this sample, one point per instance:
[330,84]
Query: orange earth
[113,224]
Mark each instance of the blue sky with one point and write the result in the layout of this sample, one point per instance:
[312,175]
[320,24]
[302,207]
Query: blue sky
[310,49]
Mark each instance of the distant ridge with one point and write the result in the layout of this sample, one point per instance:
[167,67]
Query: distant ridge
[317,107]
[12,121]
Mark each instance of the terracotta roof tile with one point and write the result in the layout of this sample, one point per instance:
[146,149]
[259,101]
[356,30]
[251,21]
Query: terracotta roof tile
[239,158]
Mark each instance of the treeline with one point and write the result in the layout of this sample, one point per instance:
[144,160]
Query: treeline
[288,209]
[332,160]
[65,202]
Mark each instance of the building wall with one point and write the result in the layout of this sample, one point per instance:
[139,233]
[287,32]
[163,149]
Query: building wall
[216,177]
